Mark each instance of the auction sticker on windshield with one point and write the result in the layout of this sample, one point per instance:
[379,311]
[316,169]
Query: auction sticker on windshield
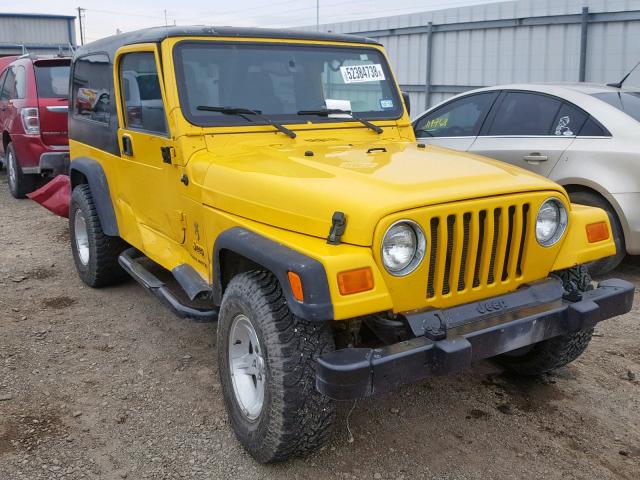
[362,73]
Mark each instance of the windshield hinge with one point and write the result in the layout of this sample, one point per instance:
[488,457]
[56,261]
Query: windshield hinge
[338,225]
[168,153]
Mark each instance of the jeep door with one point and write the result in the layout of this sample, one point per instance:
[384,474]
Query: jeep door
[151,177]
[530,130]
[455,124]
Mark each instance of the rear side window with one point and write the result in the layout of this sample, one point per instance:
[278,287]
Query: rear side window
[569,121]
[21,82]
[525,114]
[143,107]
[460,118]
[9,88]
[2,77]
[91,88]
[52,81]
[593,129]
[628,102]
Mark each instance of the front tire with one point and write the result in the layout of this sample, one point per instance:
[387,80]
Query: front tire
[269,354]
[556,352]
[19,183]
[94,253]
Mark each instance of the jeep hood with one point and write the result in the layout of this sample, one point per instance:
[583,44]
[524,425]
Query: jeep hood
[290,189]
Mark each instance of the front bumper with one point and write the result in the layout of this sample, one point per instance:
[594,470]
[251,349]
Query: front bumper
[451,340]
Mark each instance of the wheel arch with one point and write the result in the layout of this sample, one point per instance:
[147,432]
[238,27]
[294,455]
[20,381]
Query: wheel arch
[582,185]
[88,171]
[239,250]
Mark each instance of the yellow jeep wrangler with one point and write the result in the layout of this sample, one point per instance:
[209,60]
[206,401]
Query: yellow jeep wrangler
[271,180]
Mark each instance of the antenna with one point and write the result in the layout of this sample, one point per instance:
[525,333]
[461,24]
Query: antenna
[80,18]
[619,84]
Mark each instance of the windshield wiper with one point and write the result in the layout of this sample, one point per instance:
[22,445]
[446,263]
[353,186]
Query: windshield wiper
[331,111]
[247,111]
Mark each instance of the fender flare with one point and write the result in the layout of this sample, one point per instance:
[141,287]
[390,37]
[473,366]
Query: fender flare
[97,180]
[279,260]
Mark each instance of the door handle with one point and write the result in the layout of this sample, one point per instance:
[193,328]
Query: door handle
[535,158]
[127,146]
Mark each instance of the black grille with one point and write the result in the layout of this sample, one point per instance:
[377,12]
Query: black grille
[492,247]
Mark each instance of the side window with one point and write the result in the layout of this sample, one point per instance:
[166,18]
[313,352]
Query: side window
[569,121]
[21,82]
[592,128]
[460,118]
[143,107]
[525,114]
[92,89]
[9,87]
[2,78]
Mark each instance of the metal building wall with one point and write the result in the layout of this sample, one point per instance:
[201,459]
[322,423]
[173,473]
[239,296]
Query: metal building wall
[505,42]
[37,33]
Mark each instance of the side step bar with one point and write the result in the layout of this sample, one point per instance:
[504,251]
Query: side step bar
[129,261]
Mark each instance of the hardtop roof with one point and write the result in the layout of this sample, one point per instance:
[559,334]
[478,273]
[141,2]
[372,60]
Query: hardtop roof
[110,44]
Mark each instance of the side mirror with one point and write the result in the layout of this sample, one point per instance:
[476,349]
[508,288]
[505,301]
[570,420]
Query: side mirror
[407,101]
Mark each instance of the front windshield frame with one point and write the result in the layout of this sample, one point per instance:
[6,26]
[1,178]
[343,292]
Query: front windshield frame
[289,119]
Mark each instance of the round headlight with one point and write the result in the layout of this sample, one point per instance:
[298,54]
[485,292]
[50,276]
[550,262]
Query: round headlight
[403,247]
[551,222]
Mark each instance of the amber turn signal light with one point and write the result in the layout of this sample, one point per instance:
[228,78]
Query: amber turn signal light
[296,286]
[596,232]
[355,281]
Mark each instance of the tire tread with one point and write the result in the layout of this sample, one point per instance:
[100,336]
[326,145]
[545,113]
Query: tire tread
[300,418]
[104,268]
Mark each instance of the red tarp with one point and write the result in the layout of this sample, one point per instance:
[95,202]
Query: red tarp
[54,196]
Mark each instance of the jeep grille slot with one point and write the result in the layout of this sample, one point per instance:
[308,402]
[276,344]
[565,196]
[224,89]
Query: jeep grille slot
[466,218]
[432,257]
[505,268]
[524,221]
[476,276]
[484,247]
[451,225]
[494,244]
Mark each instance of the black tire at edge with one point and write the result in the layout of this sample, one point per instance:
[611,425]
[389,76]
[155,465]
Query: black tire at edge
[103,268]
[295,418]
[559,351]
[24,183]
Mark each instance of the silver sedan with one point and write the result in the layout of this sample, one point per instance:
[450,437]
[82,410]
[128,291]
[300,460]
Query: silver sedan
[585,137]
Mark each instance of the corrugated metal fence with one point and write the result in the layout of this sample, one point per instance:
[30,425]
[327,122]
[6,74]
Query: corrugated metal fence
[35,33]
[440,53]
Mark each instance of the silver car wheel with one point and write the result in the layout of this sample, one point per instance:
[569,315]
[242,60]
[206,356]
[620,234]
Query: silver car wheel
[81,237]
[247,367]
[11,169]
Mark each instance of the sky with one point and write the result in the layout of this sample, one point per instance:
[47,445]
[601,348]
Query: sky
[105,17]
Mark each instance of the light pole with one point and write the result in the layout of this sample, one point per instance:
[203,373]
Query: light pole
[318,15]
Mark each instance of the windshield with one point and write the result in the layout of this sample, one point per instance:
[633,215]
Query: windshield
[279,81]
[628,102]
[52,81]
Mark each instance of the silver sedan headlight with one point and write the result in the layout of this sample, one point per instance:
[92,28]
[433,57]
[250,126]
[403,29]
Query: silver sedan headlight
[551,222]
[403,247]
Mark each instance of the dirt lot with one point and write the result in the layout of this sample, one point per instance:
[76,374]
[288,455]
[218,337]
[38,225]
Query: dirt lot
[109,384]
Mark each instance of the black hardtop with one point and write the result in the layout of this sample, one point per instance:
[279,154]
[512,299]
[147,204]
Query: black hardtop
[109,45]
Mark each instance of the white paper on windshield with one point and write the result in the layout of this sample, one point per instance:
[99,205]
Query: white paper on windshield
[362,73]
[334,104]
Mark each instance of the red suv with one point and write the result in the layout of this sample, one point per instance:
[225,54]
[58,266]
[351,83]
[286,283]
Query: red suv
[33,120]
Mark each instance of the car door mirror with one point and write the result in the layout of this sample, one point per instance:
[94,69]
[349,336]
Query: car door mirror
[407,101]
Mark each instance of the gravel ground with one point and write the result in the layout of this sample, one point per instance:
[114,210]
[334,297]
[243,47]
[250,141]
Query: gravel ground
[109,384]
